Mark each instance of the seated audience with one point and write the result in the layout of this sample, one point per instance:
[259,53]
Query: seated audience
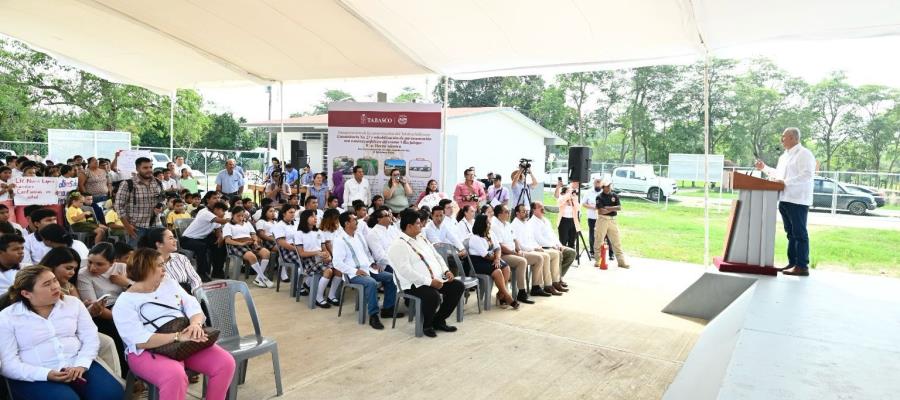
[156,297]
[103,276]
[421,272]
[35,248]
[178,266]
[241,241]
[523,232]
[512,252]
[200,236]
[543,234]
[465,220]
[351,258]
[48,343]
[486,259]
[56,236]
[64,263]
[315,258]
[12,251]
[377,202]
[264,225]
[178,212]
[284,231]
[381,235]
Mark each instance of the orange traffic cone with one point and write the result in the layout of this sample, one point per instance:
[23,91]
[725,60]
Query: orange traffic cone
[604,249]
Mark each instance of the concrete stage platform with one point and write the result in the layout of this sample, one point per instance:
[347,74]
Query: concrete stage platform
[827,336]
[606,339]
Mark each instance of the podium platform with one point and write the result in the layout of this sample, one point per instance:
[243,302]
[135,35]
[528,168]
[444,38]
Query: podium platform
[828,336]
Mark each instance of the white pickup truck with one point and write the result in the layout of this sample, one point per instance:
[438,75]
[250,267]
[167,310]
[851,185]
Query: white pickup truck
[641,179]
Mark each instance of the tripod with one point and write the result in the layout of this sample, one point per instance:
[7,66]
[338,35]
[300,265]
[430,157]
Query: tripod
[524,192]
[580,240]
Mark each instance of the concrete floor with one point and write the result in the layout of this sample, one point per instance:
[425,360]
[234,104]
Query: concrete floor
[605,339]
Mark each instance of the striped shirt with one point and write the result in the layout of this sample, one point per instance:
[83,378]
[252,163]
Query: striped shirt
[180,269]
[136,205]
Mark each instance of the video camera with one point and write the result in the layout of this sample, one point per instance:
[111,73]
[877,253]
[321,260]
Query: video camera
[524,163]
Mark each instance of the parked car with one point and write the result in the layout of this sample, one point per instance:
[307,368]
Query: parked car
[855,202]
[551,177]
[878,194]
[5,153]
[160,160]
[641,179]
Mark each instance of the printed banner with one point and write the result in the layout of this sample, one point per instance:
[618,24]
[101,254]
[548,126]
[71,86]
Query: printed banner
[382,136]
[37,190]
[125,164]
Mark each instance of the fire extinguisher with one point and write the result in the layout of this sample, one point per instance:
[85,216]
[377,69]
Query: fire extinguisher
[604,249]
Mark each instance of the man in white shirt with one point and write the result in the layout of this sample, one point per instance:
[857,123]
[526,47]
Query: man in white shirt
[35,249]
[546,238]
[357,188]
[503,235]
[542,283]
[352,259]
[422,273]
[12,252]
[439,230]
[795,168]
[200,237]
[589,201]
[380,237]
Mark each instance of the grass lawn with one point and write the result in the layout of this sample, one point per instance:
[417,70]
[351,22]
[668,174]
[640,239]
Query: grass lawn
[892,207]
[677,234]
[698,192]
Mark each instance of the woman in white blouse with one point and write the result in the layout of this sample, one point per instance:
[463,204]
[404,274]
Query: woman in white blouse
[154,296]
[265,226]
[103,276]
[485,254]
[315,258]
[178,266]
[48,343]
[465,220]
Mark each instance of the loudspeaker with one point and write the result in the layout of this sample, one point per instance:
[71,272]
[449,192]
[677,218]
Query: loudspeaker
[298,154]
[579,164]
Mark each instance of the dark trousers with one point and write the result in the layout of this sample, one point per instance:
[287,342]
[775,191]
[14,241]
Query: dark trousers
[591,224]
[567,232]
[794,218]
[206,251]
[100,385]
[430,296]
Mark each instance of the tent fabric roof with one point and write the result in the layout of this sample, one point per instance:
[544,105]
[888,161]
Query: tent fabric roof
[169,44]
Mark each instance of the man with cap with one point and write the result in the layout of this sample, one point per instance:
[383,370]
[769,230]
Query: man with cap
[608,206]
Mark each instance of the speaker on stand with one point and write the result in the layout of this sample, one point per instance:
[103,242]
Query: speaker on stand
[299,157]
[580,171]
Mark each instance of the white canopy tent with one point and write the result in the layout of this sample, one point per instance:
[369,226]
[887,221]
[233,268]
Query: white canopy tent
[164,45]
[169,44]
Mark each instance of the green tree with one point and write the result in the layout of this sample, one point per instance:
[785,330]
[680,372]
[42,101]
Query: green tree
[409,95]
[331,96]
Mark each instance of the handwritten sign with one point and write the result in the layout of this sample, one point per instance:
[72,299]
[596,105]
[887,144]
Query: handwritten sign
[127,158]
[65,186]
[36,190]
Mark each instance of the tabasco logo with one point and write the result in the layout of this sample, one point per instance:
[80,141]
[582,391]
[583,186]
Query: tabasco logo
[365,119]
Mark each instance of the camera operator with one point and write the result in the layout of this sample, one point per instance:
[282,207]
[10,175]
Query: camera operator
[469,192]
[517,183]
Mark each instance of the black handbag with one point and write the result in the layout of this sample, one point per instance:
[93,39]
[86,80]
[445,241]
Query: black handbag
[178,351]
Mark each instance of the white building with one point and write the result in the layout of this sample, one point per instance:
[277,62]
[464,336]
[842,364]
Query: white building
[492,139]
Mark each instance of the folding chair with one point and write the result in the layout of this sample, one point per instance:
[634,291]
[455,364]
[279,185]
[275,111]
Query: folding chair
[414,309]
[360,298]
[486,283]
[219,299]
[448,251]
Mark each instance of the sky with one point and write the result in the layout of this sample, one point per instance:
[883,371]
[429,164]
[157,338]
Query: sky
[865,61]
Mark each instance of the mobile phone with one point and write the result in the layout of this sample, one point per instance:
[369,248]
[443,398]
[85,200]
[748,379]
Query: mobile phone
[104,297]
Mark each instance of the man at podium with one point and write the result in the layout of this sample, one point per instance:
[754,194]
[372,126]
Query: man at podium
[796,167]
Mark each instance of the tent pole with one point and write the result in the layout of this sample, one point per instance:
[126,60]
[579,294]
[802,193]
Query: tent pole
[281,117]
[269,145]
[706,160]
[444,131]
[172,124]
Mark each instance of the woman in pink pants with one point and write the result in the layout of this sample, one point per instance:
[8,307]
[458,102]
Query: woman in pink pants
[155,297]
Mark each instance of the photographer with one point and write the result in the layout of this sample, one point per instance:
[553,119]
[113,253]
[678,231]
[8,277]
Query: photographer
[397,201]
[469,192]
[518,183]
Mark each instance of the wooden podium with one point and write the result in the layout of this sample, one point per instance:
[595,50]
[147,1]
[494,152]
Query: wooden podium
[750,237]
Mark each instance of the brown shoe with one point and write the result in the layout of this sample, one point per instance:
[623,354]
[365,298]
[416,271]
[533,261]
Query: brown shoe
[796,271]
[559,288]
[552,290]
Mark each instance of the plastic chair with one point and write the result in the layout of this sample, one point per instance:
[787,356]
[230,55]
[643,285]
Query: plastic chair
[485,281]
[181,225]
[234,265]
[219,299]
[448,251]
[414,309]
[360,299]
[152,391]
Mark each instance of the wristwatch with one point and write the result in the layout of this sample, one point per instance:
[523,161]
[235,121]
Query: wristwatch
[177,339]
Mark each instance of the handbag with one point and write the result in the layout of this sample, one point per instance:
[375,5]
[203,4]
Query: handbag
[178,351]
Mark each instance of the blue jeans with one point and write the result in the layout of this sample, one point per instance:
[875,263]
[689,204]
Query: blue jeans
[794,218]
[98,211]
[100,386]
[370,286]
